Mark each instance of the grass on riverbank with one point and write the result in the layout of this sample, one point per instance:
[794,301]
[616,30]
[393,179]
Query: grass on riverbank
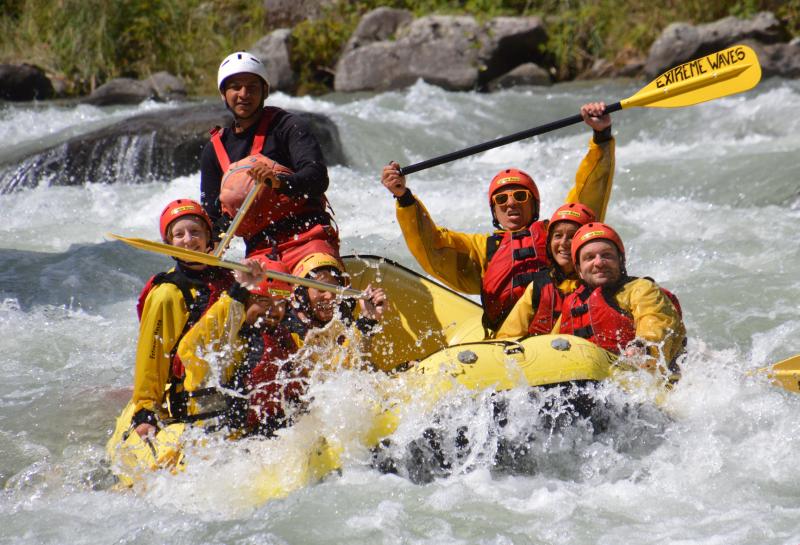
[87,42]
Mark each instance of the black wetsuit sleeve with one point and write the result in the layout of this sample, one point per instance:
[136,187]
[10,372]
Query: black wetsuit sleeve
[602,136]
[310,178]
[210,180]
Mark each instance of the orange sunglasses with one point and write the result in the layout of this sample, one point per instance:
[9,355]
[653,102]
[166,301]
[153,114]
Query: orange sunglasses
[519,195]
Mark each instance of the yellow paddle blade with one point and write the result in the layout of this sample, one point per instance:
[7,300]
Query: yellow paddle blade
[720,74]
[190,256]
[786,373]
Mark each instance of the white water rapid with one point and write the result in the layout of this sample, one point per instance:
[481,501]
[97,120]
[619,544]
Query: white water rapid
[707,200]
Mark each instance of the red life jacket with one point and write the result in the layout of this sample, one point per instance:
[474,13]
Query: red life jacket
[547,299]
[270,206]
[272,381]
[512,258]
[594,314]
[208,292]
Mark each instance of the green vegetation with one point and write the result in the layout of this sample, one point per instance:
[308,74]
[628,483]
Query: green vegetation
[87,42]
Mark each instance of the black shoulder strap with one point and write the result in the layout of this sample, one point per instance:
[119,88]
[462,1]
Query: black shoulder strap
[492,243]
[195,305]
[540,279]
[179,280]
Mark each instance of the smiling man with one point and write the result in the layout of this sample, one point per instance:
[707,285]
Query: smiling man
[291,213]
[501,265]
[625,315]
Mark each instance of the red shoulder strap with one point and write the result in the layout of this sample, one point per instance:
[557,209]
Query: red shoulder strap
[143,296]
[219,149]
[258,140]
[261,131]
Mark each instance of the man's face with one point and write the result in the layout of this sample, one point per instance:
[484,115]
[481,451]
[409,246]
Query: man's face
[600,264]
[509,211]
[323,303]
[265,310]
[244,94]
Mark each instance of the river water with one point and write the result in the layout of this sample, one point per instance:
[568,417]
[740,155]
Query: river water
[707,200]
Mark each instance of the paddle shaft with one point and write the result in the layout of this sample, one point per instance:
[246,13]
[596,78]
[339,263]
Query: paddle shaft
[502,141]
[231,232]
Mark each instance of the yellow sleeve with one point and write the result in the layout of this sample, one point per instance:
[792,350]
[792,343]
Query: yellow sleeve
[163,317]
[655,318]
[594,178]
[212,343]
[518,320]
[456,259]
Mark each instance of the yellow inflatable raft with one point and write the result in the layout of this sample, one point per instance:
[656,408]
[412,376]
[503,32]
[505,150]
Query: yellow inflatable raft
[433,327]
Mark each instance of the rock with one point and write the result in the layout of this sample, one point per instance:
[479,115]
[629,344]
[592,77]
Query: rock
[379,66]
[22,82]
[378,25]
[782,60]
[147,147]
[509,42]
[524,74]
[287,13]
[601,68]
[453,52]
[61,86]
[120,91]
[167,87]
[682,42]
[630,69]
[161,86]
[273,51]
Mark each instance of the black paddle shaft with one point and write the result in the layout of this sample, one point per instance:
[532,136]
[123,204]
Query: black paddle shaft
[502,141]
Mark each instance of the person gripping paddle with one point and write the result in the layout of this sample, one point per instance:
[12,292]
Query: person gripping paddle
[499,266]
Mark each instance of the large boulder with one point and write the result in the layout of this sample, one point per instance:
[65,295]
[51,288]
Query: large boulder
[508,42]
[453,52]
[167,87]
[682,42]
[524,74]
[282,13]
[377,25]
[120,91]
[152,146]
[273,50]
[161,86]
[781,60]
[22,82]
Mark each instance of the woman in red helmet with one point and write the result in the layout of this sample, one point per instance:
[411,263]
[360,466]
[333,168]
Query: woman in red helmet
[238,371]
[168,306]
[537,311]
[500,266]
[623,314]
[277,148]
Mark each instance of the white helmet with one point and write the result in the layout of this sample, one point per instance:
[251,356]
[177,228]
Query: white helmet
[241,62]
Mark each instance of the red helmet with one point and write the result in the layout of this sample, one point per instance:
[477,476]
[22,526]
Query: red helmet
[272,287]
[178,209]
[574,212]
[595,231]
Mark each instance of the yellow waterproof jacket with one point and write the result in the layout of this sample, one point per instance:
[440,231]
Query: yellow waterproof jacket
[655,318]
[519,319]
[212,349]
[459,259]
[164,316]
